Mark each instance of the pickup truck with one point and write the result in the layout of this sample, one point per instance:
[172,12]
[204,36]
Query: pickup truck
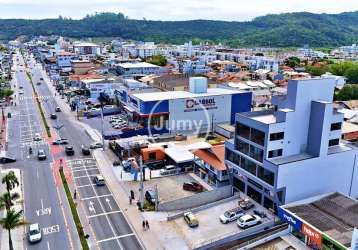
[60,142]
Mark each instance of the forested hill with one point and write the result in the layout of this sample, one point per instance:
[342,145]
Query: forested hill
[284,30]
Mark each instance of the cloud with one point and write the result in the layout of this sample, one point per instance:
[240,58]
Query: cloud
[236,10]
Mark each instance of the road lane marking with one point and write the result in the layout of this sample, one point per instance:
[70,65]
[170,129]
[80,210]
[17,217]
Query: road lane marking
[91,207]
[115,238]
[87,185]
[51,229]
[48,245]
[84,169]
[94,197]
[108,202]
[104,214]
[85,176]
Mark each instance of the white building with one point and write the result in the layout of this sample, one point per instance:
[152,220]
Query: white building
[64,59]
[293,152]
[138,68]
[85,48]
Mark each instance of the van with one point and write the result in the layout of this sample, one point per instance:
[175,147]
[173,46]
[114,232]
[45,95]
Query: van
[170,169]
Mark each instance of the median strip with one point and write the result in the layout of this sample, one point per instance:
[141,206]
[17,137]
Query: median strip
[48,131]
[75,216]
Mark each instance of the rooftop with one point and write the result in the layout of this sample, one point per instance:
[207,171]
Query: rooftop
[172,95]
[137,65]
[214,156]
[334,214]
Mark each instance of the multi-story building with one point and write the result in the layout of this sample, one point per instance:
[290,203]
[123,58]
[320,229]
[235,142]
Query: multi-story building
[139,68]
[294,151]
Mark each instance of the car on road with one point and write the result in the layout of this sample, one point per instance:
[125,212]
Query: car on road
[246,204]
[231,215]
[37,137]
[85,150]
[58,109]
[7,159]
[95,145]
[53,116]
[193,186]
[21,92]
[151,196]
[21,87]
[69,150]
[41,79]
[248,220]
[60,141]
[41,155]
[99,180]
[34,234]
[170,169]
[190,219]
[38,83]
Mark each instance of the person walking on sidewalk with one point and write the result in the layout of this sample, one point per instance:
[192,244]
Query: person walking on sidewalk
[147,224]
[143,225]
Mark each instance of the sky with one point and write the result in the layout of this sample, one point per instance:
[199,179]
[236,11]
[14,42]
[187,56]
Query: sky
[231,10]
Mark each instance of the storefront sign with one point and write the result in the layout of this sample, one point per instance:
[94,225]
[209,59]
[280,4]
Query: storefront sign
[314,236]
[199,104]
[290,219]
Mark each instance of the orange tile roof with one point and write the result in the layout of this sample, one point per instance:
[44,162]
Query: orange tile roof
[87,76]
[214,156]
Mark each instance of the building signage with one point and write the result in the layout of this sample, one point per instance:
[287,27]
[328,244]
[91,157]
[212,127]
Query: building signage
[290,219]
[199,104]
[314,236]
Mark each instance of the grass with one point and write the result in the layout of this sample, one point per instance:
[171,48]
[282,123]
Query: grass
[75,216]
[48,131]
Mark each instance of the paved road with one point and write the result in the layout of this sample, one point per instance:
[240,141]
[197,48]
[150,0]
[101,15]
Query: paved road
[42,203]
[111,228]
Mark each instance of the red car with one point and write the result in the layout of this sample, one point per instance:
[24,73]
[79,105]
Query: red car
[193,186]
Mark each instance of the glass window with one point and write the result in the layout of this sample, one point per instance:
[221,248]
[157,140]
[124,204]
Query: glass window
[275,153]
[333,142]
[243,130]
[243,147]
[257,136]
[254,194]
[229,155]
[266,175]
[256,153]
[268,203]
[277,136]
[248,165]
[336,126]
[239,184]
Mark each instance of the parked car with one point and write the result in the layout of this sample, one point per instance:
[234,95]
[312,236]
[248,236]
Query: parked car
[151,196]
[38,83]
[60,141]
[99,180]
[96,145]
[85,150]
[53,116]
[41,155]
[231,215]
[69,150]
[193,186]
[37,137]
[190,219]
[246,204]
[41,79]
[248,220]
[170,169]
[58,109]
[34,234]
[7,159]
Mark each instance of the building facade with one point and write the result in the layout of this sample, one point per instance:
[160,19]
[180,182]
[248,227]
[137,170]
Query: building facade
[294,151]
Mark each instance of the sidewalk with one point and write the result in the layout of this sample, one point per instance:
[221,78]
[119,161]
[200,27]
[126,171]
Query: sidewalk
[18,233]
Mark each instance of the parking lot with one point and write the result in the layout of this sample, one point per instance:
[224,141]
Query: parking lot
[102,211]
[169,187]
[210,228]
[96,123]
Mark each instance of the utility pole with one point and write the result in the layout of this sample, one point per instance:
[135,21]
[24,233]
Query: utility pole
[156,197]
[102,125]
[141,184]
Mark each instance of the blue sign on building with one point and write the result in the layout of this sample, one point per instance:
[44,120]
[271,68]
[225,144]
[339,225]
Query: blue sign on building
[290,219]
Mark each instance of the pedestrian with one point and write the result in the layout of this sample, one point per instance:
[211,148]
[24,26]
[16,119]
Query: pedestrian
[143,225]
[130,200]
[75,194]
[147,224]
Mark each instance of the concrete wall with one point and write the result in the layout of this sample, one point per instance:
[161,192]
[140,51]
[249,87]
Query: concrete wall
[196,199]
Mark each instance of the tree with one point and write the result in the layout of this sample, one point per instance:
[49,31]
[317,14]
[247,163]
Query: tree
[6,200]
[348,92]
[10,180]
[11,221]
[352,74]
[292,62]
[158,60]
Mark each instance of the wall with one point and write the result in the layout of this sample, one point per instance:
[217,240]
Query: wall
[240,103]
[196,200]
[331,173]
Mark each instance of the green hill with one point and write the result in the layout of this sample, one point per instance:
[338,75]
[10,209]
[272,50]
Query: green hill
[284,30]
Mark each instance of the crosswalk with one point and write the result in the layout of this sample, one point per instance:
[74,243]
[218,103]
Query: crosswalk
[24,98]
[32,143]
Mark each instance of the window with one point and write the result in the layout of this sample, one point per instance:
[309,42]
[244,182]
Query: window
[257,136]
[243,130]
[266,175]
[275,153]
[333,142]
[229,155]
[224,172]
[254,183]
[248,165]
[336,126]
[256,153]
[239,184]
[243,147]
[152,156]
[277,136]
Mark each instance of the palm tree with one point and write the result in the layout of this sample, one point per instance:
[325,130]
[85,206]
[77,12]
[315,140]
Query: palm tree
[10,180]
[11,221]
[6,200]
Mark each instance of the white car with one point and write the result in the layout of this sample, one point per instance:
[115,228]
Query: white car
[231,215]
[37,137]
[248,220]
[35,234]
[96,145]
